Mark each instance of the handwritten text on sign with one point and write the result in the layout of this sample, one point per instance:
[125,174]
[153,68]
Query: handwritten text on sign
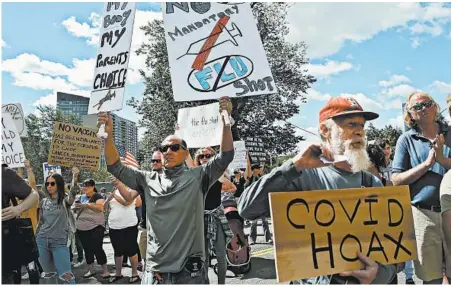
[319,232]
[74,146]
[240,156]
[18,116]
[113,57]
[200,126]
[214,49]
[12,149]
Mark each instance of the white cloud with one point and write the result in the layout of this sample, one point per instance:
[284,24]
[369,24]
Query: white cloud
[441,87]
[313,94]
[416,42]
[408,68]
[33,64]
[82,73]
[3,44]
[328,69]
[358,22]
[433,29]
[82,30]
[38,81]
[48,100]
[399,91]
[396,122]
[395,79]
[349,57]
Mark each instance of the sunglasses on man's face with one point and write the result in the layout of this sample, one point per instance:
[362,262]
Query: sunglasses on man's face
[52,183]
[172,147]
[419,106]
[156,160]
[204,156]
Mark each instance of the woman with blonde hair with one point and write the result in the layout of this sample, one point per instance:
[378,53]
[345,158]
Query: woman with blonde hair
[422,157]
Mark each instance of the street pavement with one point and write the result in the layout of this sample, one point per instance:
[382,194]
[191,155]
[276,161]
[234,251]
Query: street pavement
[262,269]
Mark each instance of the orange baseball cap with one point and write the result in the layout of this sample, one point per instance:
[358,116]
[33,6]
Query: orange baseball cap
[338,106]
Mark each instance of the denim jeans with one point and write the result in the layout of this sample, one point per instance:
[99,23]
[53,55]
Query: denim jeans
[409,269]
[54,258]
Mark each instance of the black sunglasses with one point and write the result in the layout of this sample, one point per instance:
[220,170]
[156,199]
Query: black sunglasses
[419,106]
[156,160]
[50,183]
[173,147]
[206,156]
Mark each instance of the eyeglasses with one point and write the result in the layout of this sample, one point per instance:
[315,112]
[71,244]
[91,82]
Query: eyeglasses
[419,106]
[156,160]
[50,183]
[173,147]
[204,156]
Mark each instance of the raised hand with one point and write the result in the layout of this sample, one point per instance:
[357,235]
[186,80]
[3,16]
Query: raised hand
[104,118]
[311,157]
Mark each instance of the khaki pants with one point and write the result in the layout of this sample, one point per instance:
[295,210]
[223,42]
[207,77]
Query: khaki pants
[143,243]
[431,245]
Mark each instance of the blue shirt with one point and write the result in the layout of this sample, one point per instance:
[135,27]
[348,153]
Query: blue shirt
[411,150]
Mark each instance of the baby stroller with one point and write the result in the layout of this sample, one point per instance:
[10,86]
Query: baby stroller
[238,250]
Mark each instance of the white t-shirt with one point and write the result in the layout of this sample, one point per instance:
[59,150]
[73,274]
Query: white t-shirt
[121,216]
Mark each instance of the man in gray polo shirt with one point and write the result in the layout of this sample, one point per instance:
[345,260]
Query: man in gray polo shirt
[174,205]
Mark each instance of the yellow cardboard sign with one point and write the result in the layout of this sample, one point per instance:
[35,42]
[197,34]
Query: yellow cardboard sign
[319,232]
[75,146]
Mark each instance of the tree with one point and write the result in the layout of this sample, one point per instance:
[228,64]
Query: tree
[259,116]
[388,132]
[37,144]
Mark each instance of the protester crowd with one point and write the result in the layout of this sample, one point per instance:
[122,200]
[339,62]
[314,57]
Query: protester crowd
[169,222]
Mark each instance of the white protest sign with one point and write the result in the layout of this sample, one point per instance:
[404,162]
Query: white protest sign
[48,169]
[12,149]
[200,126]
[113,57]
[240,156]
[214,49]
[18,116]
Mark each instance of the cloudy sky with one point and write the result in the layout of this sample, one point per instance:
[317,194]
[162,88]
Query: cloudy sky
[376,52]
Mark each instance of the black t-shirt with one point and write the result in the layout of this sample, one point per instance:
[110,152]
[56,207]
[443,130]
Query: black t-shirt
[239,186]
[95,197]
[13,186]
[214,196]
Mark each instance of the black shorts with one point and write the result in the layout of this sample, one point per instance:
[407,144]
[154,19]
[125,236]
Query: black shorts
[124,241]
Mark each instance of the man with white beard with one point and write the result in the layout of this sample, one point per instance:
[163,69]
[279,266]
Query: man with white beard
[339,162]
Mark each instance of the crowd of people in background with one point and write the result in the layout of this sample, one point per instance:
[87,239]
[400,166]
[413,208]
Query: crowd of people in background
[172,217]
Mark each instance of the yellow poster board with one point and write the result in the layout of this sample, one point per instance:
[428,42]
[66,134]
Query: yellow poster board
[75,146]
[319,232]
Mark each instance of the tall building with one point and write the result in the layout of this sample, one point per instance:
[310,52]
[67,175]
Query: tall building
[125,134]
[125,131]
[71,104]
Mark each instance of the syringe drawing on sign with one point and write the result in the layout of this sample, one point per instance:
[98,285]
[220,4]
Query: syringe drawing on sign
[198,47]
[108,97]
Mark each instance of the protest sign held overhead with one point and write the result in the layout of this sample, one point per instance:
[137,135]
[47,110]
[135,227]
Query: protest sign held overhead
[18,117]
[12,150]
[107,91]
[74,146]
[255,147]
[200,126]
[214,49]
[323,230]
[240,156]
[50,169]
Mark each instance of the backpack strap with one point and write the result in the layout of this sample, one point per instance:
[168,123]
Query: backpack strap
[367,180]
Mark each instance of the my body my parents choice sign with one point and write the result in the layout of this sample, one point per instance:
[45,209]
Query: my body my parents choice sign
[18,116]
[112,58]
[214,50]
[200,126]
[319,232]
[12,149]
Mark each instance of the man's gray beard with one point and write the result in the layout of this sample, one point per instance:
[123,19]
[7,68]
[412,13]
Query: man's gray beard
[357,158]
